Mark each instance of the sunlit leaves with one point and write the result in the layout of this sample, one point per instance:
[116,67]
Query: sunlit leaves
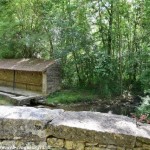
[82,33]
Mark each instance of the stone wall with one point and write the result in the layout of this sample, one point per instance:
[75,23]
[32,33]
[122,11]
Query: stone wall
[32,128]
[53,78]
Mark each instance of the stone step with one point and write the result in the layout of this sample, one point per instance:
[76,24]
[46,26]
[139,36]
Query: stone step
[7,94]
[20,100]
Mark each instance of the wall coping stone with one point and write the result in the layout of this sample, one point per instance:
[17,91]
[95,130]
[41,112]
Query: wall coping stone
[103,122]
[39,124]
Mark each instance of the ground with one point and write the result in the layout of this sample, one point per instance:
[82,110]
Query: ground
[87,100]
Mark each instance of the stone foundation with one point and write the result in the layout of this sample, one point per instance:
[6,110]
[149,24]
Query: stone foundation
[79,145]
[26,128]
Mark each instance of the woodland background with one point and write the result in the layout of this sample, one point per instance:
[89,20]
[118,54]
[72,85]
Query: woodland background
[103,44]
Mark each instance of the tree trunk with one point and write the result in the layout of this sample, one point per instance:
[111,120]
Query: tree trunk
[110,29]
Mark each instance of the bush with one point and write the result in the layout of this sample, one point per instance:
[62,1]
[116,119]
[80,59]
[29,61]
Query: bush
[143,111]
[145,80]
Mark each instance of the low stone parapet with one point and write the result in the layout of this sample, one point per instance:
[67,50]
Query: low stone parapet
[39,128]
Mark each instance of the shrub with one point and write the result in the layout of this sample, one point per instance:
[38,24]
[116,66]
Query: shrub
[143,111]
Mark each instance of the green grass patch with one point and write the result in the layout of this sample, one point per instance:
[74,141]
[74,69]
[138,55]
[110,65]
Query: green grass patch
[5,101]
[71,96]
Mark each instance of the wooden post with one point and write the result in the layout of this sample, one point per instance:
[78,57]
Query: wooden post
[14,79]
[44,83]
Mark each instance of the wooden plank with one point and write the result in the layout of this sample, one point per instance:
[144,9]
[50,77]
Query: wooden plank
[14,78]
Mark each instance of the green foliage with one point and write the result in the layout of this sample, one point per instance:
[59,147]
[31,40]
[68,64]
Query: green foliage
[145,80]
[5,101]
[106,76]
[71,96]
[103,45]
[144,108]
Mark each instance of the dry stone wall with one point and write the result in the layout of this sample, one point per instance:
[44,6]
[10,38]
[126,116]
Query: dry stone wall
[44,129]
[53,78]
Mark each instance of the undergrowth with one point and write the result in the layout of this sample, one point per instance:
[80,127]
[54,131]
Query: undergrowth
[4,101]
[142,113]
[71,96]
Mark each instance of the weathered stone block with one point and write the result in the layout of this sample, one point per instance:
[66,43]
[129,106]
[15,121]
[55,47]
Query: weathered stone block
[21,145]
[144,140]
[94,148]
[99,128]
[112,147]
[138,144]
[120,148]
[102,146]
[146,147]
[140,148]
[54,142]
[29,124]
[69,145]
[91,144]
[78,146]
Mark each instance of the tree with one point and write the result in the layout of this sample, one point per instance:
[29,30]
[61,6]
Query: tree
[103,44]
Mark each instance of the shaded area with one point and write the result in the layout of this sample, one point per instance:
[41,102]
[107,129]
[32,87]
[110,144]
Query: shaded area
[18,96]
[119,105]
[87,100]
[18,91]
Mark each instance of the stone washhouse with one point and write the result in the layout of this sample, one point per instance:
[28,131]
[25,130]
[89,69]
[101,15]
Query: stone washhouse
[34,75]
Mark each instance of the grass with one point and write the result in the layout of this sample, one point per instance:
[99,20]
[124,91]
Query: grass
[72,96]
[4,101]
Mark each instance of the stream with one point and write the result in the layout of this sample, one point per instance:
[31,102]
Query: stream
[119,106]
